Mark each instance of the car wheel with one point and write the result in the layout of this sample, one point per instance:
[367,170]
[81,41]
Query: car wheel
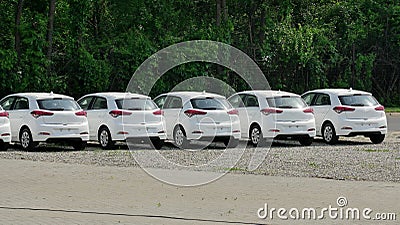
[377,138]
[256,136]
[157,143]
[104,138]
[231,142]
[25,138]
[180,137]
[306,141]
[4,146]
[329,134]
[79,145]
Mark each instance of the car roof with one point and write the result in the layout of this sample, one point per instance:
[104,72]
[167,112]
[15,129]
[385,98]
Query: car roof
[268,93]
[41,95]
[340,91]
[117,95]
[190,94]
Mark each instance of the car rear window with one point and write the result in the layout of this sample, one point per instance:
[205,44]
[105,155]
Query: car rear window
[210,103]
[136,104]
[58,104]
[286,102]
[358,100]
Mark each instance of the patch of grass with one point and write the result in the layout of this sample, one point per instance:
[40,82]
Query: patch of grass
[313,164]
[392,109]
[376,150]
[398,158]
[235,169]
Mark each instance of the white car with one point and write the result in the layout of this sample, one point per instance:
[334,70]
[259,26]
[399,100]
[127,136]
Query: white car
[5,131]
[199,116]
[266,115]
[118,116]
[45,117]
[347,112]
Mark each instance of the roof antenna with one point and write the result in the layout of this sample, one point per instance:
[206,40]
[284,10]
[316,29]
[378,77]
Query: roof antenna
[51,93]
[351,89]
[204,92]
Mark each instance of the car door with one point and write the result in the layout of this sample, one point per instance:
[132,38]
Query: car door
[172,108]
[237,102]
[321,104]
[20,112]
[86,104]
[7,105]
[97,112]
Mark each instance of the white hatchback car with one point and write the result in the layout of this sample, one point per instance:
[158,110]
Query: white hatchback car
[118,116]
[46,117]
[267,115]
[5,131]
[199,116]
[347,112]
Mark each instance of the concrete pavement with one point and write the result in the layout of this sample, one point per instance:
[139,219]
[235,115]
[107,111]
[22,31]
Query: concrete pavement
[58,193]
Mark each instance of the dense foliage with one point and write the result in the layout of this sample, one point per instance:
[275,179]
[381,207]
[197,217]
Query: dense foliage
[96,45]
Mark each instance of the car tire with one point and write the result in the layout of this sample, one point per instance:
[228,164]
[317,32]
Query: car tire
[4,146]
[377,138]
[157,143]
[104,138]
[329,134]
[231,142]
[256,136]
[307,141]
[25,138]
[79,145]
[180,139]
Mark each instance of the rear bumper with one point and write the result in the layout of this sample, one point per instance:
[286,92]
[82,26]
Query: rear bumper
[48,132]
[122,132]
[290,129]
[349,127]
[207,131]
[5,133]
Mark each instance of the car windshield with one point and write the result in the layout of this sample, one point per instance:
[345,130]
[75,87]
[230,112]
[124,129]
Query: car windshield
[210,103]
[287,102]
[358,100]
[136,104]
[58,104]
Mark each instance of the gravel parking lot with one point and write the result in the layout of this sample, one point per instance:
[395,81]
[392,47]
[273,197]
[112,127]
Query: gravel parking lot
[351,159]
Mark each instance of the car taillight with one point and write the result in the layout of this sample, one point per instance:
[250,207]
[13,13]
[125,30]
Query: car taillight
[233,112]
[340,109]
[39,113]
[81,113]
[158,112]
[116,113]
[308,110]
[4,114]
[268,111]
[380,108]
[192,112]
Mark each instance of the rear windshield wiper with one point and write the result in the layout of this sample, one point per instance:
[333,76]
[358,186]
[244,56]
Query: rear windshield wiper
[285,107]
[358,104]
[134,108]
[56,109]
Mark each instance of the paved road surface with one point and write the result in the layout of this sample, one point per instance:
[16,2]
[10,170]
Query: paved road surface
[58,193]
[393,121]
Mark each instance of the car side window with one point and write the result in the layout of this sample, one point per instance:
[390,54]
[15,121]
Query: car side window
[236,101]
[85,102]
[21,103]
[99,103]
[322,99]
[251,101]
[173,103]
[308,98]
[8,103]
[160,101]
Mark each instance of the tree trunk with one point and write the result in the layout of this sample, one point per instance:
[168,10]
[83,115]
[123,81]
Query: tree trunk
[219,12]
[17,33]
[50,29]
